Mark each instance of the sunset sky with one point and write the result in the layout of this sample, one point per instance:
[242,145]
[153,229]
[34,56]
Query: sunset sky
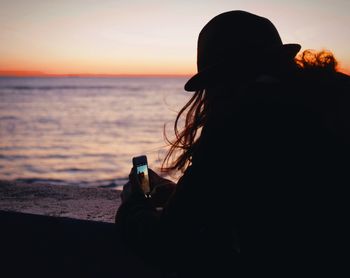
[148,37]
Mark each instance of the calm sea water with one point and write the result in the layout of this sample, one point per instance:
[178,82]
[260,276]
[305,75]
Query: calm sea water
[84,130]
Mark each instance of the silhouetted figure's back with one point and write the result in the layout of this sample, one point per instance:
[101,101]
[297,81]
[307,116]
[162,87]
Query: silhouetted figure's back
[267,172]
[290,146]
[279,155]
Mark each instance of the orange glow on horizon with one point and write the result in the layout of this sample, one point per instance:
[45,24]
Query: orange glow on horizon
[21,73]
[33,73]
[97,67]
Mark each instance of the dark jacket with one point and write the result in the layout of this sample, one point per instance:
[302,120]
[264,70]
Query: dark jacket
[268,175]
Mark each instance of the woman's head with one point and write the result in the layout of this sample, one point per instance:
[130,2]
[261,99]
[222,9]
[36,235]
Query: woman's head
[237,45]
[233,47]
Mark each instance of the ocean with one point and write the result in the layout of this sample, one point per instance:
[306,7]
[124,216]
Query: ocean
[83,130]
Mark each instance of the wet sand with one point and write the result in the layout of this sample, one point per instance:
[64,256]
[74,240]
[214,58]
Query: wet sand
[96,204]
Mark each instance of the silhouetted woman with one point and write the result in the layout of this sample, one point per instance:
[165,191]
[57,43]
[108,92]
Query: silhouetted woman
[260,154]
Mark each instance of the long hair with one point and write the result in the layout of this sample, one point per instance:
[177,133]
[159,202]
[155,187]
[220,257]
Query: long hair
[317,62]
[186,140]
[198,109]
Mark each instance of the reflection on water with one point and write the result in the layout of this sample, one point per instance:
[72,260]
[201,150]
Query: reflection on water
[84,130]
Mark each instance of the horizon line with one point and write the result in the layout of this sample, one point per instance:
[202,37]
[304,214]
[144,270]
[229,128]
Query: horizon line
[21,73]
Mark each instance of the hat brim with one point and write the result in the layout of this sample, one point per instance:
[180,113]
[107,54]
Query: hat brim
[200,80]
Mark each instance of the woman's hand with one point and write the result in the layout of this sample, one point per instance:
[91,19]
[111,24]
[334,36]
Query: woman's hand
[161,188]
[131,187]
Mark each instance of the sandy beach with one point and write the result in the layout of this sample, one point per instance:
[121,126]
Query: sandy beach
[64,231]
[96,204]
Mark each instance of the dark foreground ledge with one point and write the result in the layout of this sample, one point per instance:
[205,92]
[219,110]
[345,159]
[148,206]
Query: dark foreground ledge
[64,247]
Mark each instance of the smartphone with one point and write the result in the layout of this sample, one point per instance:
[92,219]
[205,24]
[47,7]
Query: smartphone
[141,168]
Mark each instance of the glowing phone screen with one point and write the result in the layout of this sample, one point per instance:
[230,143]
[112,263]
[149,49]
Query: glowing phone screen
[142,174]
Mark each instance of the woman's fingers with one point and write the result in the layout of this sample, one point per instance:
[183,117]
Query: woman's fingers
[134,180]
[153,175]
[157,180]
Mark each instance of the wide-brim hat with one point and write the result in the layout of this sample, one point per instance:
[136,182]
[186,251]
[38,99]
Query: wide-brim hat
[233,41]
